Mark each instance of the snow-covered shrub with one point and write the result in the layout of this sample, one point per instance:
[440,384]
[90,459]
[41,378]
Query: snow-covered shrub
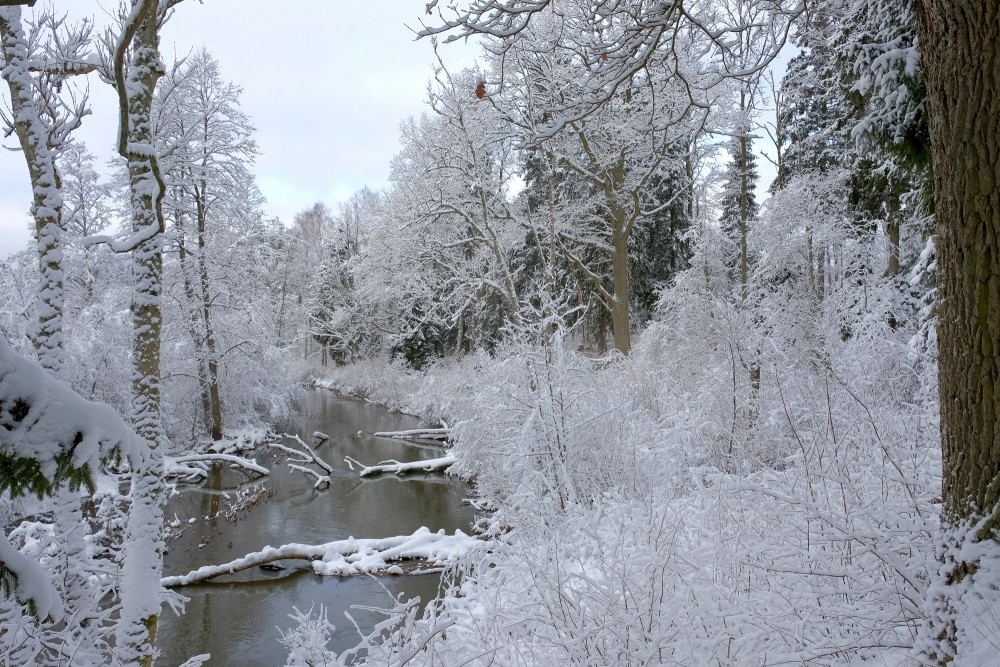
[307,640]
[757,483]
[80,563]
[661,557]
[382,381]
[543,423]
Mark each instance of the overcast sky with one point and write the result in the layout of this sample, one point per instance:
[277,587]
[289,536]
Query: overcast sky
[326,83]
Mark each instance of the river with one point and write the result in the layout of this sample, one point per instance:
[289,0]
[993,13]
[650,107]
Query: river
[236,618]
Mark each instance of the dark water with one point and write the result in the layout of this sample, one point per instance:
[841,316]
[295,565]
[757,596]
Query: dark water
[235,618]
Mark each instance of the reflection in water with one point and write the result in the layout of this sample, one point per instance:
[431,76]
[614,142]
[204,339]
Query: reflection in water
[236,618]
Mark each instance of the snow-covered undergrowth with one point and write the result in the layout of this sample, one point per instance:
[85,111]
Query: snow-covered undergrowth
[672,508]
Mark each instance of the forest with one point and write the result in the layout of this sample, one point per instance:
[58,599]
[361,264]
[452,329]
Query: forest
[706,420]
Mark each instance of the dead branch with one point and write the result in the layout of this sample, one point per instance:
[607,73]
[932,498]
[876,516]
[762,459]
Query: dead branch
[396,468]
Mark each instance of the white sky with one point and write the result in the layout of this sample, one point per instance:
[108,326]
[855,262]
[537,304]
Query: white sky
[326,84]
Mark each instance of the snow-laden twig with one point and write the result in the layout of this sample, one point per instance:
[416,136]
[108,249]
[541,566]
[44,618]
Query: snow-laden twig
[347,557]
[307,455]
[396,468]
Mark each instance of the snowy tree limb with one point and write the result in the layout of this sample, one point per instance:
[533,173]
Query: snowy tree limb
[396,468]
[307,456]
[28,581]
[346,557]
[175,466]
[421,433]
[51,434]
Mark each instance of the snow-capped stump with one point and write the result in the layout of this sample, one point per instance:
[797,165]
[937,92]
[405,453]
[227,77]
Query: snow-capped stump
[347,557]
[49,435]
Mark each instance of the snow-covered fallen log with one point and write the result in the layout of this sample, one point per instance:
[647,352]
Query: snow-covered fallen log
[393,467]
[347,557]
[194,467]
[442,434]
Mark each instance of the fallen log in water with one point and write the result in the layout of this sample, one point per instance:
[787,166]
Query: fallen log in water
[346,557]
[418,433]
[394,467]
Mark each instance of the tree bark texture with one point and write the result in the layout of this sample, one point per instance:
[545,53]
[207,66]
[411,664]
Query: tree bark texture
[143,564]
[620,325]
[960,41]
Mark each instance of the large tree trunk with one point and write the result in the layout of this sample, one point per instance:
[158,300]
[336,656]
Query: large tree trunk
[960,41]
[620,325]
[961,49]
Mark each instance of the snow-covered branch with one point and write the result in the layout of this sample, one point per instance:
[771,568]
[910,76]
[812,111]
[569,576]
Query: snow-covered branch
[442,434]
[347,557]
[194,467]
[394,467]
[50,433]
[307,456]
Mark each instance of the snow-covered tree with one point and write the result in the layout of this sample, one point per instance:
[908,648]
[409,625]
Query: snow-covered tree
[86,195]
[36,66]
[618,156]
[207,152]
[739,207]
[445,230]
[132,66]
[338,319]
